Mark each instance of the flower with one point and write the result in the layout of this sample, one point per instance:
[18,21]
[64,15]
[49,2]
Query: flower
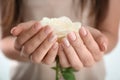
[61,25]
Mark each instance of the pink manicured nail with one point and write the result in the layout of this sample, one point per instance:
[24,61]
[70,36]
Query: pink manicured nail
[66,42]
[83,31]
[47,30]
[72,36]
[52,38]
[104,47]
[37,26]
[13,30]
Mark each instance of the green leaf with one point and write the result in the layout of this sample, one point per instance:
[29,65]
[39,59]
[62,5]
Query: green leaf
[68,75]
[68,69]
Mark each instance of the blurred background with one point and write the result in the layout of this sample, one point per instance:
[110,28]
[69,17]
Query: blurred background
[111,62]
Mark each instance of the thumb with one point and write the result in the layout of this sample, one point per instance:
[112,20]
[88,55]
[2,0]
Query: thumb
[16,31]
[100,38]
[21,27]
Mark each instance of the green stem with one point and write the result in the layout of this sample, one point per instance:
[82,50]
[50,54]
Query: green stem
[57,69]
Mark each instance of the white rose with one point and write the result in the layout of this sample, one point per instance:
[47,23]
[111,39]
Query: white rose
[61,26]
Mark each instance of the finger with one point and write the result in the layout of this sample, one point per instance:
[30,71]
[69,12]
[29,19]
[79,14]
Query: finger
[42,50]
[14,31]
[91,44]
[81,50]
[31,45]
[71,55]
[51,55]
[101,40]
[62,58]
[26,35]
[23,26]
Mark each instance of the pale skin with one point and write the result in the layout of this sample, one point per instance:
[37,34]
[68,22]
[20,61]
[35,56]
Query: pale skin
[78,49]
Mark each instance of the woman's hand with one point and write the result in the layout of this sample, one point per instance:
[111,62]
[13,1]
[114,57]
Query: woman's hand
[36,42]
[82,49]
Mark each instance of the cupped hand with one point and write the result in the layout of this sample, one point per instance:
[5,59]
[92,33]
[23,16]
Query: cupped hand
[36,42]
[82,49]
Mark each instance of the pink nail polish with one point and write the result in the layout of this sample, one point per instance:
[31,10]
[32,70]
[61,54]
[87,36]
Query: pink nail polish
[52,38]
[104,47]
[47,30]
[66,42]
[37,26]
[13,30]
[83,31]
[72,36]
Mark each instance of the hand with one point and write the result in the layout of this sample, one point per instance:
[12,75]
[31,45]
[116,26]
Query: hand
[36,42]
[82,49]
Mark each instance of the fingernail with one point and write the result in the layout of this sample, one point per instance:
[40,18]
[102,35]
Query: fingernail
[66,42]
[52,38]
[37,26]
[55,45]
[47,30]
[104,47]
[72,36]
[13,30]
[83,31]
